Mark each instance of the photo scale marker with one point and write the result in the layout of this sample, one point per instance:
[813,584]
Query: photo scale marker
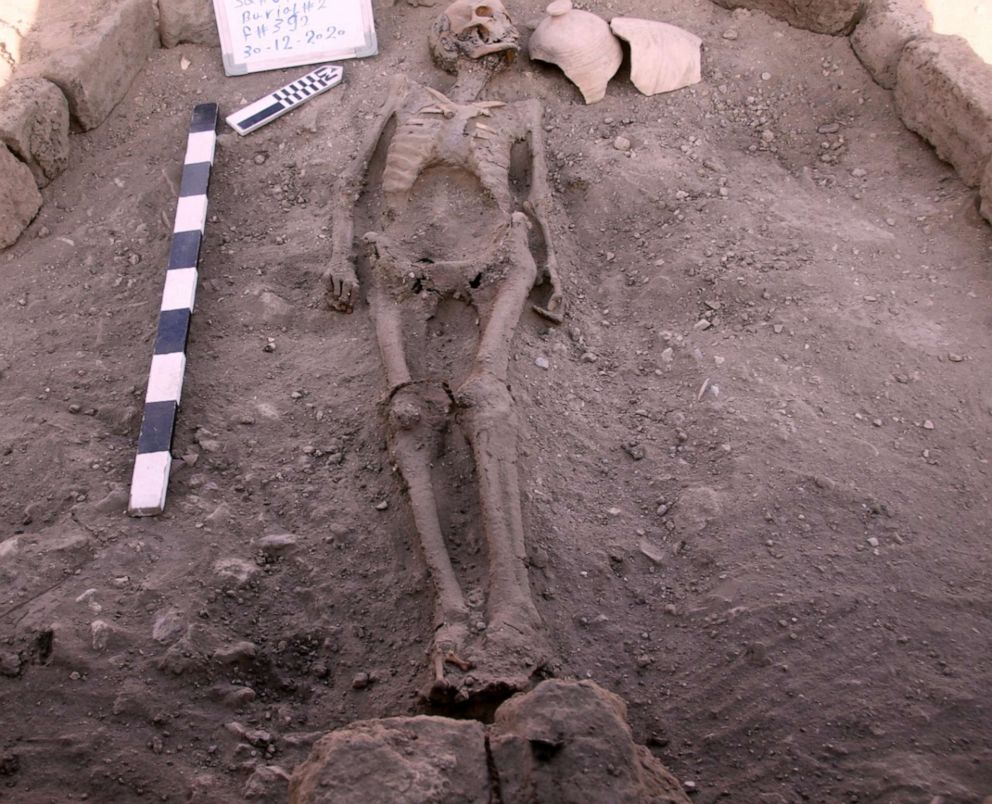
[150,479]
[276,104]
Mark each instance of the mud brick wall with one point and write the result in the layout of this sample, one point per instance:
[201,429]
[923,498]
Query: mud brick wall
[77,61]
[819,16]
[943,88]
[80,59]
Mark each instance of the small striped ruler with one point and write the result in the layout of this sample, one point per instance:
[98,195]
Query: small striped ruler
[276,104]
[150,479]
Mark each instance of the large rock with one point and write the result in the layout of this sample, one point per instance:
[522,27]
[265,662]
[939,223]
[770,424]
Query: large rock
[986,193]
[944,93]
[563,741]
[92,52]
[34,125]
[884,31]
[19,197]
[820,16]
[569,741]
[400,760]
[187,21]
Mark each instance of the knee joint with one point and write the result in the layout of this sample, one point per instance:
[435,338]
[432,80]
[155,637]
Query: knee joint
[484,394]
[409,407]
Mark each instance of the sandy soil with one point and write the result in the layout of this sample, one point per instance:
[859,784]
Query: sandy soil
[768,532]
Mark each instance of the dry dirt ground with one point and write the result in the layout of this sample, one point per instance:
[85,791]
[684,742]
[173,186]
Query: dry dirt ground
[770,534]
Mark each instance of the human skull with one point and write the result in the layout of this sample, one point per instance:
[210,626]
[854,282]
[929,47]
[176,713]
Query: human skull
[474,30]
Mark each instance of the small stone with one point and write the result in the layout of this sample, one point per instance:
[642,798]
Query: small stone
[621,144]
[766,76]
[614,511]
[267,782]
[667,355]
[10,664]
[703,324]
[767,135]
[100,632]
[277,543]
[662,509]
[260,738]
[928,425]
[236,652]
[238,696]
[168,626]
[859,173]
[954,358]
[260,159]
[828,128]
[653,553]
[360,681]
[873,541]
[731,34]
[236,569]
[690,786]
[634,450]
[777,328]
[74,409]
[542,362]
[589,357]
[269,347]
[382,505]
[890,221]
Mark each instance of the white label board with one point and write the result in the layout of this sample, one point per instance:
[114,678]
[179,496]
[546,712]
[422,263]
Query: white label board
[270,34]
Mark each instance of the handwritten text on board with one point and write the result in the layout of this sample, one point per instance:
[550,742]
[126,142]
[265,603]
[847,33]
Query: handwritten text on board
[277,27]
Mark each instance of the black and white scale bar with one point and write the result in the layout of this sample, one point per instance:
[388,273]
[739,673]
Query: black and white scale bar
[150,479]
[276,104]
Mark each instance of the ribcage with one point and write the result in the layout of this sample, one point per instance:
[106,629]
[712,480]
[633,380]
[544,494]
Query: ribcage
[413,148]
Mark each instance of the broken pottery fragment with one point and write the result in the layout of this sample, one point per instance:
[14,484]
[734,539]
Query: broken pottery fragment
[580,43]
[663,57]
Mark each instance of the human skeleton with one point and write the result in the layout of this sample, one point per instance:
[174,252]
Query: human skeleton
[450,155]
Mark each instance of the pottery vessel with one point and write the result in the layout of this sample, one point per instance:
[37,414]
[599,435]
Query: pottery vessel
[663,57]
[581,44]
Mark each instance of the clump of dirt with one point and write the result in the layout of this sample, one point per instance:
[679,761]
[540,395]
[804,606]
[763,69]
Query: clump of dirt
[754,458]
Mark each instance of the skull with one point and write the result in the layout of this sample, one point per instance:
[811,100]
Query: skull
[474,30]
